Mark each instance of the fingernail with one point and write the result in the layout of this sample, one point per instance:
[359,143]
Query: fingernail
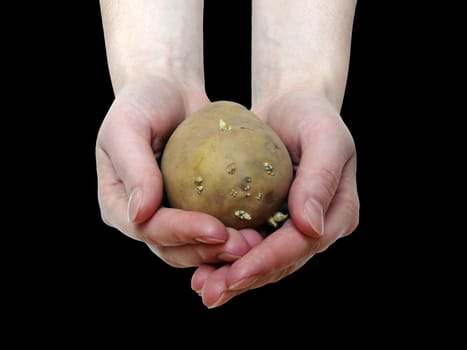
[315,215]
[228,256]
[134,203]
[219,301]
[243,283]
[209,240]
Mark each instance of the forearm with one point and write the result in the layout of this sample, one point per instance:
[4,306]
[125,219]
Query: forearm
[301,44]
[163,37]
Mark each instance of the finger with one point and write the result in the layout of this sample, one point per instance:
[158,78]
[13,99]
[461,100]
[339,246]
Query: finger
[202,272]
[176,227]
[252,237]
[280,254]
[196,254]
[200,276]
[326,148]
[214,292]
[266,263]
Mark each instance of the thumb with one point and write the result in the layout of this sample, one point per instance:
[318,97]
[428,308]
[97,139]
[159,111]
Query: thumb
[137,166]
[324,154]
[131,143]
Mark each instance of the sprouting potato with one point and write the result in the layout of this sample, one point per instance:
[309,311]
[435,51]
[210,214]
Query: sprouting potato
[223,160]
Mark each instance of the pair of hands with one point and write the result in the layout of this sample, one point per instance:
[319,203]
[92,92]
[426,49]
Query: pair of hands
[323,201]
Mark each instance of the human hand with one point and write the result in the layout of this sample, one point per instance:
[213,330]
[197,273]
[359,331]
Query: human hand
[323,201]
[130,187]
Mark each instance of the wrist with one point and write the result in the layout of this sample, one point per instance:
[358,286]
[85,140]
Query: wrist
[301,45]
[269,104]
[279,73]
[160,38]
[186,78]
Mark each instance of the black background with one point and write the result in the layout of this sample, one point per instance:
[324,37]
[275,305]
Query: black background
[71,275]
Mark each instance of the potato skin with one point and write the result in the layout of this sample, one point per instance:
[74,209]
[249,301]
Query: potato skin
[223,160]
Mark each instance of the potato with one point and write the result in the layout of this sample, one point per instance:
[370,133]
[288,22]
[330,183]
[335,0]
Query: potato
[225,161]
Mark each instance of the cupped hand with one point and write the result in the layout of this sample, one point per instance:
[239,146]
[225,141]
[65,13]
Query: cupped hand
[323,200]
[130,187]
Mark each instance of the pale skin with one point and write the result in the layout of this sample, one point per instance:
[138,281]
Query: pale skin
[300,58]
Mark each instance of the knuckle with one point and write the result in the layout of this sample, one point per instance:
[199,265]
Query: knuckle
[169,257]
[351,205]
[105,218]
